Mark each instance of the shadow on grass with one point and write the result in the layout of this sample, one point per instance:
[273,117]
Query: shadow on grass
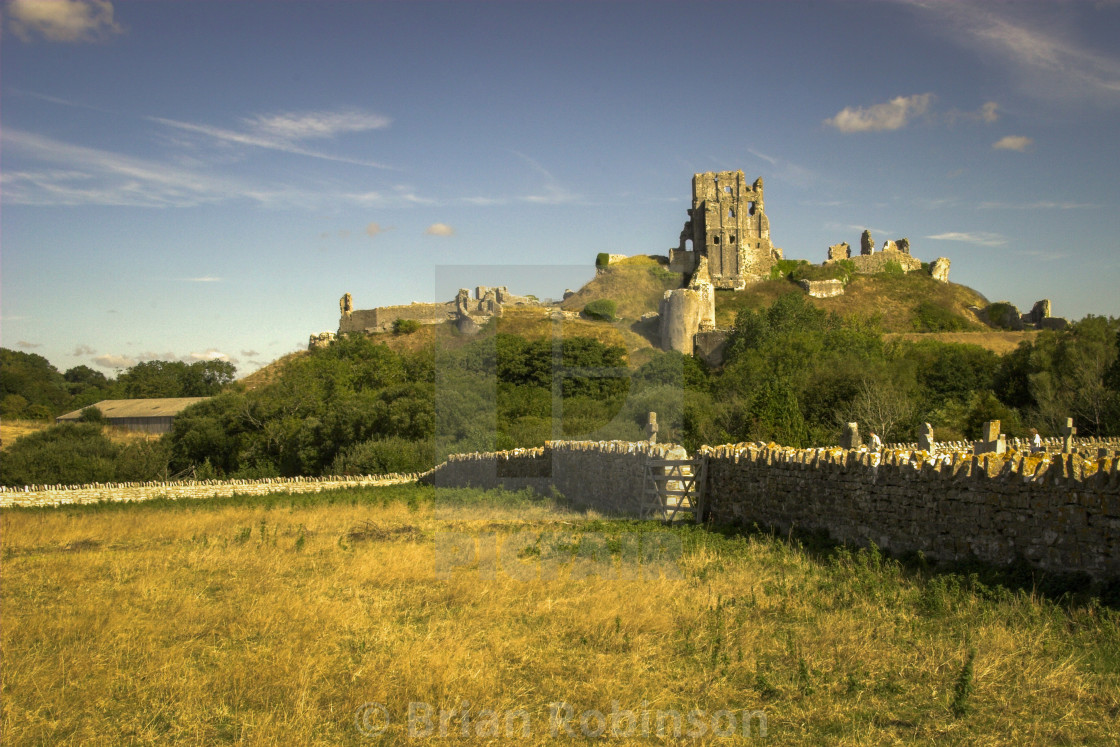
[986,580]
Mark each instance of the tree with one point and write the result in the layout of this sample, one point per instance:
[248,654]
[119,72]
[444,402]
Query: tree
[884,407]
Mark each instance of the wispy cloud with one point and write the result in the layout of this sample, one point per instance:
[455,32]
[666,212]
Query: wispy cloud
[1013,142]
[786,171]
[83,350]
[94,176]
[988,113]
[283,132]
[28,345]
[204,279]
[62,20]
[1048,62]
[68,174]
[1040,205]
[892,115]
[979,238]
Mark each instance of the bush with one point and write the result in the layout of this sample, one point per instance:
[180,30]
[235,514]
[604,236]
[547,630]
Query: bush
[405,326]
[604,309]
[999,315]
[69,454]
[602,259]
[92,415]
[384,456]
[892,268]
[930,317]
[783,268]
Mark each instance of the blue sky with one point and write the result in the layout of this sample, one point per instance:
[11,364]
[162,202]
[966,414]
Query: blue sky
[205,179]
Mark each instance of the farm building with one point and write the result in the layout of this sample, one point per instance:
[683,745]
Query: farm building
[148,415]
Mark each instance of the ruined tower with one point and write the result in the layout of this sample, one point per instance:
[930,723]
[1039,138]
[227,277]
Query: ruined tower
[728,225]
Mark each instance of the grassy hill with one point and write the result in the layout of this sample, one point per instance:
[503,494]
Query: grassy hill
[636,284]
[896,299]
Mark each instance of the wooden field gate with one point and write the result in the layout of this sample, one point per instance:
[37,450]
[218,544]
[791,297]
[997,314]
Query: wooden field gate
[673,486]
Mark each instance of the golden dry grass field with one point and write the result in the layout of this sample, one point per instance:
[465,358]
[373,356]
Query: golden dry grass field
[274,621]
[11,429]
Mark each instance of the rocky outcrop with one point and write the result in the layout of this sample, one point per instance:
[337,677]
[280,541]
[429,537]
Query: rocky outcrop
[939,270]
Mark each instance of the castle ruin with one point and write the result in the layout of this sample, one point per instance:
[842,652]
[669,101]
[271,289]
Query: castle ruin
[727,224]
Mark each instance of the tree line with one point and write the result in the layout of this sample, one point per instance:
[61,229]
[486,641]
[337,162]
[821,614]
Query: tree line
[793,374]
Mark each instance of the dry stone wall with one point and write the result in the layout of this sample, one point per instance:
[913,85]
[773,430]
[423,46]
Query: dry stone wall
[130,492]
[1059,512]
[607,476]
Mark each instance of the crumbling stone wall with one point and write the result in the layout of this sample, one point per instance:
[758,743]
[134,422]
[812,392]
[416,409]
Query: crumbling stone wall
[822,288]
[869,261]
[381,319]
[487,302]
[1059,512]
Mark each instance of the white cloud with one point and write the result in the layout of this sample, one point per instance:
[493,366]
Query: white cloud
[83,350]
[440,229]
[1013,142]
[980,238]
[114,361]
[893,115]
[211,354]
[989,112]
[63,20]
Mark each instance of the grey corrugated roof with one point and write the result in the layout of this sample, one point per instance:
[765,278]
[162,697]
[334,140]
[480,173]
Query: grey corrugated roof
[138,408]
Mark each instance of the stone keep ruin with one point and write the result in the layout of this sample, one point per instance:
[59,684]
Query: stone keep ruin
[727,224]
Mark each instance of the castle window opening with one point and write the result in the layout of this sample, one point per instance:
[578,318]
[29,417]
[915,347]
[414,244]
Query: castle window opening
[732,238]
[731,213]
[727,190]
[715,239]
[750,208]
